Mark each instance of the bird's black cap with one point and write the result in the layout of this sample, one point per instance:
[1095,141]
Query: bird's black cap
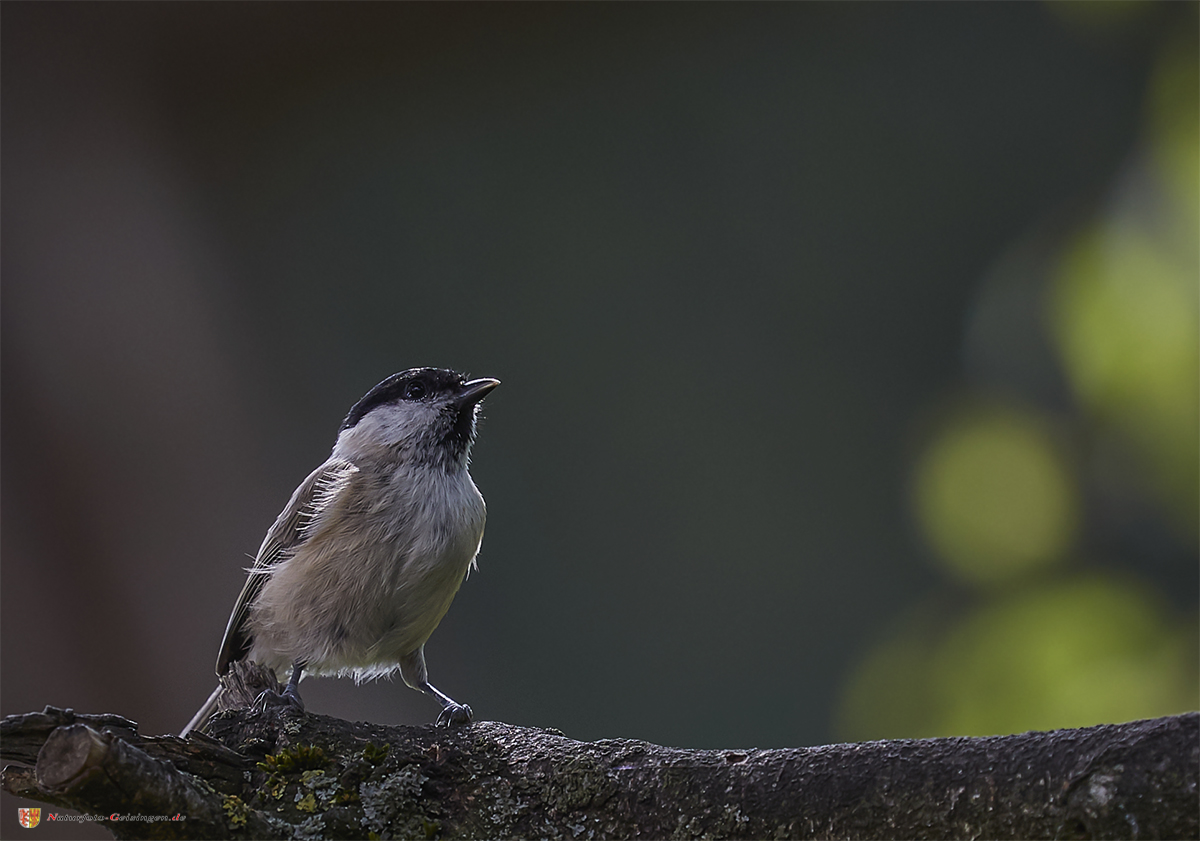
[417,384]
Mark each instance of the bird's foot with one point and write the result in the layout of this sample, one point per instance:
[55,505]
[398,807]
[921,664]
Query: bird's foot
[268,698]
[452,714]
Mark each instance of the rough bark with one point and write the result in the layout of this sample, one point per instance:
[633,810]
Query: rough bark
[274,772]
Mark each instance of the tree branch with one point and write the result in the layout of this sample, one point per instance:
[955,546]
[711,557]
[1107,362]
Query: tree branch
[277,773]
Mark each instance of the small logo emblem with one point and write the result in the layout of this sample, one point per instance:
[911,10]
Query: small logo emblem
[29,817]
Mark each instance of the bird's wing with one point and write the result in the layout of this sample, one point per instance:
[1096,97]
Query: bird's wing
[320,493]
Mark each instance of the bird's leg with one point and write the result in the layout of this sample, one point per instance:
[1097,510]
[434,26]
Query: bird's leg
[292,690]
[412,669]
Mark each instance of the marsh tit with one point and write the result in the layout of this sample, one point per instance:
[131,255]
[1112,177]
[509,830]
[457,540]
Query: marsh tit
[362,564]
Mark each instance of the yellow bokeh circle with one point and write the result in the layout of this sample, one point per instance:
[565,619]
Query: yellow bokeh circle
[994,497]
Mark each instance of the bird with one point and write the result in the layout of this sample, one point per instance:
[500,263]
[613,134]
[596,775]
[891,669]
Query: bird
[366,557]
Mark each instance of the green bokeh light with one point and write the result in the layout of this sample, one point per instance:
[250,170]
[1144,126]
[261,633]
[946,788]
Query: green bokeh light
[1099,16]
[1125,304]
[1085,652]
[1175,138]
[994,497]
[1076,653]
[1125,318]
[998,502]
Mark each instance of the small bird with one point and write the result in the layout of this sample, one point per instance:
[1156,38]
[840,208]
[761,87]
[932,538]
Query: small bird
[363,562]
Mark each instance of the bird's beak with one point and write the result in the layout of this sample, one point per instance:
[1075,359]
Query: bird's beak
[475,390]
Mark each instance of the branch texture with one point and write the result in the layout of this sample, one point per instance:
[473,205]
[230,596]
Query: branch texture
[278,773]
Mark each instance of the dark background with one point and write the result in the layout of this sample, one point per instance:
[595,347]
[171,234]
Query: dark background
[722,258]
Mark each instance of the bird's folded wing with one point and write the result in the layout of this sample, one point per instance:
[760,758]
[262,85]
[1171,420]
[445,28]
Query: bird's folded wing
[320,493]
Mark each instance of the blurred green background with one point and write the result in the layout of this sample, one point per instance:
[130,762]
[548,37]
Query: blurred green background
[849,351]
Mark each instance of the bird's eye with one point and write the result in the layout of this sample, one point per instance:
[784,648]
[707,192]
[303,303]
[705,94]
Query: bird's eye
[414,391]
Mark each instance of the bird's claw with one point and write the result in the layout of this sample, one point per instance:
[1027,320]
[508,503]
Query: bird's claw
[453,714]
[270,698]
